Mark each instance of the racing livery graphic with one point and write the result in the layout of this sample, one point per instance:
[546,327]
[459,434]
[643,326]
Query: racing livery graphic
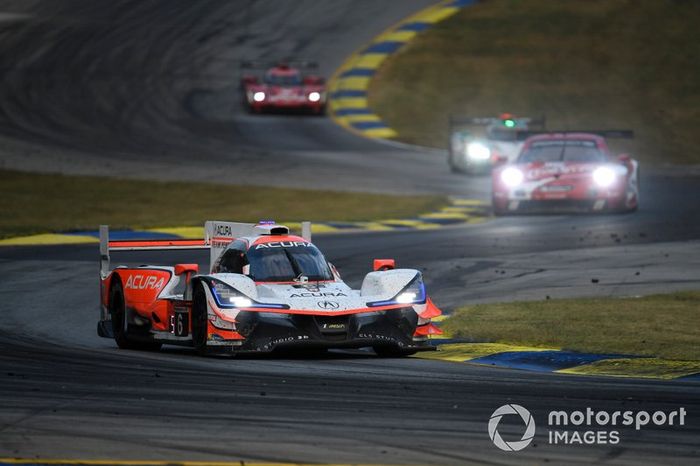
[266,290]
[567,171]
[283,87]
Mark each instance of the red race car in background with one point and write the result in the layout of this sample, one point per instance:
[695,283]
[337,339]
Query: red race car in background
[284,87]
[567,171]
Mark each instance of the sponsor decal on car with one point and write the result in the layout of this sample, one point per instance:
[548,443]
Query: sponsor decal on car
[143,282]
[318,295]
[283,244]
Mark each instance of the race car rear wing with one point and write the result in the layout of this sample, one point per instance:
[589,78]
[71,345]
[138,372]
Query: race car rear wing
[606,133]
[460,120]
[265,64]
[217,236]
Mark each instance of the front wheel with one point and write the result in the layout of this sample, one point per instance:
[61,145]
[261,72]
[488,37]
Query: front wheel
[200,319]
[120,321]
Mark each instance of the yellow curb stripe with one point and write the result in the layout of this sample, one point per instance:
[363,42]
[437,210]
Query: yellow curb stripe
[445,216]
[47,239]
[353,83]
[370,60]
[397,36]
[437,15]
[350,102]
[359,118]
[652,368]
[467,202]
[380,132]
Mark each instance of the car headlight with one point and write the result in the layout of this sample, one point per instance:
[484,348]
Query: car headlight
[314,96]
[228,297]
[259,96]
[478,151]
[512,177]
[604,177]
[413,293]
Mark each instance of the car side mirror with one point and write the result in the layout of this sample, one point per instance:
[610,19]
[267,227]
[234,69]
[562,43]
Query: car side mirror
[184,268]
[624,158]
[381,265]
[187,269]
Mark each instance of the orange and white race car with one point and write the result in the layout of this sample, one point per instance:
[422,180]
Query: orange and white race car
[266,290]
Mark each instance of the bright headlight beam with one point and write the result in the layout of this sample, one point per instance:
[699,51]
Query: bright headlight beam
[478,151]
[604,176]
[512,177]
[406,297]
[314,96]
[240,301]
[259,96]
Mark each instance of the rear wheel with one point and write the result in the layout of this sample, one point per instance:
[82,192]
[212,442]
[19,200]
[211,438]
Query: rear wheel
[392,352]
[120,321]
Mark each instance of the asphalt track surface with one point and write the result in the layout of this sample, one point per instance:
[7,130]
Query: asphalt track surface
[95,93]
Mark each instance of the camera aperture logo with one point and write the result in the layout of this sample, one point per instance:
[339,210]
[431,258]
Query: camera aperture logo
[581,427]
[529,427]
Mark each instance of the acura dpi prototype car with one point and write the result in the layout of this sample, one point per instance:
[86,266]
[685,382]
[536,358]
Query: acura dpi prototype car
[478,144]
[284,88]
[266,290]
[567,171]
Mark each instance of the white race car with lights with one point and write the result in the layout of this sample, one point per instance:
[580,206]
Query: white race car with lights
[567,171]
[478,144]
[265,290]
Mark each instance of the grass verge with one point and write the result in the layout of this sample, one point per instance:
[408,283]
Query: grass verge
[665,326]
[38,203]
[584,64]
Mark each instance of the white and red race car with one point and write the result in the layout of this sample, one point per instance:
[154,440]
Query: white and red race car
[266,290]
[567,171]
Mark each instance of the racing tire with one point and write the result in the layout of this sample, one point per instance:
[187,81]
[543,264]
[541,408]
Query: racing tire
[392,352]
[497,211]
[200,319]
[120,324]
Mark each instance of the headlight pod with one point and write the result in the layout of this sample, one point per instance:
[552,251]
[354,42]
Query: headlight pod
[228,297]
[512,177]
[259,96]
[478,151]
[314,96]
[604,177]
[413,293]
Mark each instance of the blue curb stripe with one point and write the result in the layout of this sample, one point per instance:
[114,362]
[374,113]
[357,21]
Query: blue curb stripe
[418,26]
[384,47]
[362,125]
[542,361]
[461,3]
[353,111]
[358,72]
[348,93]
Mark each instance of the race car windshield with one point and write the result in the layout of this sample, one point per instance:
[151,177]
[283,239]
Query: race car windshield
[283,79]
[562,151]
[286,261]
[501,134]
